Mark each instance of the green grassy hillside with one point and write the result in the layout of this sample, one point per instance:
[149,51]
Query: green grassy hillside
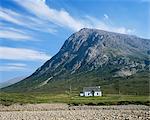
[137,84]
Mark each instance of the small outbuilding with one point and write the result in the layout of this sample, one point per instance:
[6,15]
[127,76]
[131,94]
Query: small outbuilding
[91,91]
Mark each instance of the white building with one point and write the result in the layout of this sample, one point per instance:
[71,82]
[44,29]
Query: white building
[91,91]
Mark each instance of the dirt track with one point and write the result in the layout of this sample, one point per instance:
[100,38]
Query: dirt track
[65,112]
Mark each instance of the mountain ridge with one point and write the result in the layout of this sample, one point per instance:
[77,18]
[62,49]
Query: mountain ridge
[64,50]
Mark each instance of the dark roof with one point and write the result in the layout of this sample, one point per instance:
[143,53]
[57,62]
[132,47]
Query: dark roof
[96,88]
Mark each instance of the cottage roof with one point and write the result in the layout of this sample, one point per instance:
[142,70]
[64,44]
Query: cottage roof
[96,88]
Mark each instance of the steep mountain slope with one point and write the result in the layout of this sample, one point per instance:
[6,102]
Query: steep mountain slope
[91,57]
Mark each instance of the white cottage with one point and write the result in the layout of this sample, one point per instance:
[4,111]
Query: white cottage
[91,91]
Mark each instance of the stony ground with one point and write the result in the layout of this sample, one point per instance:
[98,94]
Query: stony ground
[65,112]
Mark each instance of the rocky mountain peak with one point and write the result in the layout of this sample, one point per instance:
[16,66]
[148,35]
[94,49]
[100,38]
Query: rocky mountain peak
[92,48]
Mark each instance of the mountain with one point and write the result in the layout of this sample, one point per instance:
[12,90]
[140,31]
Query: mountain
[11,81]
[116,62]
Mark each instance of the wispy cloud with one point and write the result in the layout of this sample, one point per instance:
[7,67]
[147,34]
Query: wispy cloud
[17,64]
[63,18]
[57,17]
[22,23]
[13,66]
[100,24]
[14,35]
[9,53]
[9,15]
[46,19]
[23,20]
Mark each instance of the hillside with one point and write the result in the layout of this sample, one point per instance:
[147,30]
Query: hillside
[119,63]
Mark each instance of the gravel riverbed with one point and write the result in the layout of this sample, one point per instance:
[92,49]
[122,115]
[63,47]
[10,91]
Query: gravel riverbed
[66,112]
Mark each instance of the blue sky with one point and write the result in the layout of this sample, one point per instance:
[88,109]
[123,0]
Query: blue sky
[32,31]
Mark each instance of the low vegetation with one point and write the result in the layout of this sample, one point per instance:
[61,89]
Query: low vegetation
[71,99]
[116,91]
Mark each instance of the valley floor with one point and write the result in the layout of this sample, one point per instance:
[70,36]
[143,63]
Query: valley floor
[66,112]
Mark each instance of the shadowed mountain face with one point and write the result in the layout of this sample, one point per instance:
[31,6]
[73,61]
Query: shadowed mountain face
[93,53]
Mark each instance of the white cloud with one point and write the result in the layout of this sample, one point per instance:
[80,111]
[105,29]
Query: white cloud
[13,66]
[17,64]
[58,17]
[25,21]
[46,19]
[9,15]
[14,35]
[64,19]
[99,24]
[9,53]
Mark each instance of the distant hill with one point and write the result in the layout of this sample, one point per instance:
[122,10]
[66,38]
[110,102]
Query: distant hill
[12,81]
[119,63]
